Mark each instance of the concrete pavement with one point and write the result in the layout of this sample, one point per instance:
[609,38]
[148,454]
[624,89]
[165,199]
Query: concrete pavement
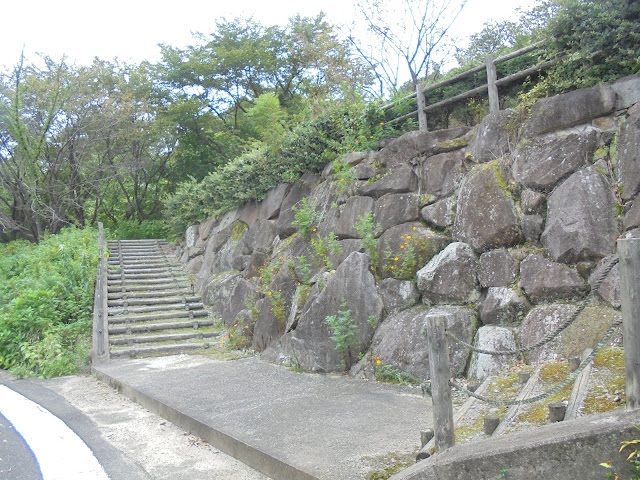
[285,424]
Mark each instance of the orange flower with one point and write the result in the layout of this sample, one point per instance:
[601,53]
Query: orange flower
[401,246]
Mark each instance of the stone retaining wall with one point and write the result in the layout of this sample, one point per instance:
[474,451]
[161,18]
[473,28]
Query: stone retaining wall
[504,225]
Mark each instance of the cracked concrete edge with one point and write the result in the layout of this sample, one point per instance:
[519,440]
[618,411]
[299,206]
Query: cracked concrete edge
[569,449]
[249,455]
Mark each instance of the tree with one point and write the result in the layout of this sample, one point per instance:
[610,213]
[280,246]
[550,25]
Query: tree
[215,83]
[412,36]
[79,141]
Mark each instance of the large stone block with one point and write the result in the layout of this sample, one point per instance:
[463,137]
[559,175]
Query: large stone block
[629,156]
[400,180]
[311,345]
[497,268]
[398,295]
[242,294]
[351,212]
[258,238]
[492,139]
[543,162]
[485,215]
[218,290]
[492,338]
[440,174]
[405,149]
[191,236]
[394,209]
[569,109]
[441,214]
[544,280]
[399,341]
[609,290]
[503,306]
[450,276]
[300,189]
[204,229]
[581,218]
[270,206]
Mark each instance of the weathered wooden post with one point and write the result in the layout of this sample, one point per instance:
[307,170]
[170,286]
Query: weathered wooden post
[492,76]
[629,255]
[422,103]
[100,327]
[440,388]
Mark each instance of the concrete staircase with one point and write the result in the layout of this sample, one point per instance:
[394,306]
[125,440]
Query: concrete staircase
[152,308]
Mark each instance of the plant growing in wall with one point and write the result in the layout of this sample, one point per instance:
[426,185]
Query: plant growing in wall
[366,228]
[344,333]
[306,219]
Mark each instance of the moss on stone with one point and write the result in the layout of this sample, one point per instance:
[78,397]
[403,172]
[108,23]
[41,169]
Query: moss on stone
[237,230]
[454,144]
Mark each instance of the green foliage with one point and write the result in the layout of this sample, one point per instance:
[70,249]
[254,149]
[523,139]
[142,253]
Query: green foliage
[133,230]
[633,459]
[324,247]
[403,266]
[390,374]
[366,228]
[306,218]
[344,177]
[344,333]
[596,40]
[46,302]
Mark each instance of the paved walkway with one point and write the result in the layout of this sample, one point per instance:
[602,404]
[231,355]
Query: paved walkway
[287,425]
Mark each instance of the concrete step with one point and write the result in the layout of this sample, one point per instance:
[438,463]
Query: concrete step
[155,327]
[167,337]
[161,287]
[149,281]
[129,276]
[157,316]
[159,350]
[152,300]
[150,293]
[190,306]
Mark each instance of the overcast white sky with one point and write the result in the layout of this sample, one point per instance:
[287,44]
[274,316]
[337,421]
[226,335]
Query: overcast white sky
[132,29]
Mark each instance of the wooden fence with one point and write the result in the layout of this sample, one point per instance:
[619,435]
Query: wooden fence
[490,88]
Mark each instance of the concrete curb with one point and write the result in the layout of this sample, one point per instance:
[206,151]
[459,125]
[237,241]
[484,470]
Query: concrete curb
[571,449]
[249,455]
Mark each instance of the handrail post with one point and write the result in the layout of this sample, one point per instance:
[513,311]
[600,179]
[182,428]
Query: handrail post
[629,257]
[100,342]
[422,103]
[440,387]
[492,76]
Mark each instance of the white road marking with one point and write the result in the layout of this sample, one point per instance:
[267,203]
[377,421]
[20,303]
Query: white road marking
[60,453]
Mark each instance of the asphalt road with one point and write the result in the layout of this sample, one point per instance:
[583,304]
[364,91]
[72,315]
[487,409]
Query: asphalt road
[16,460]
[129,442]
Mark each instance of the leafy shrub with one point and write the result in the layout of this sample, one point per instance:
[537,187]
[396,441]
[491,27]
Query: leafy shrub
[46,302]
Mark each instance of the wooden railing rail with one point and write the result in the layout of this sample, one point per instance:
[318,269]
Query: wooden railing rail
[491,87]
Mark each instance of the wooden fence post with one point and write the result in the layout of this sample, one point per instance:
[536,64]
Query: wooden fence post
[492,76]
[440,388]
[100,350]
[629,255]
[422,103]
